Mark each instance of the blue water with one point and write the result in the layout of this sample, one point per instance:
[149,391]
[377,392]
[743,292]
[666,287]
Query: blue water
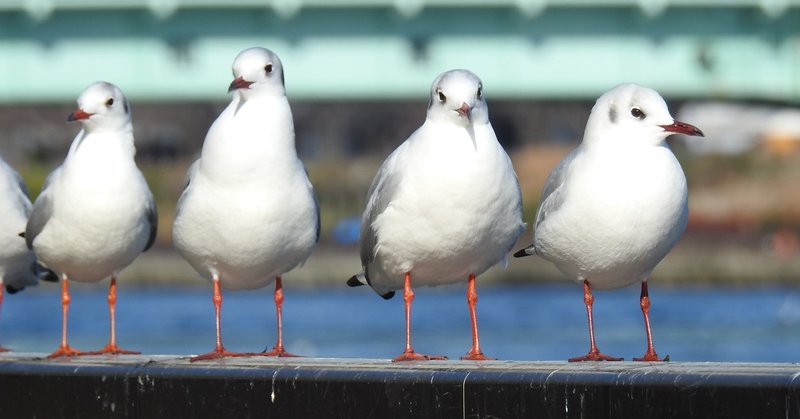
[544,322]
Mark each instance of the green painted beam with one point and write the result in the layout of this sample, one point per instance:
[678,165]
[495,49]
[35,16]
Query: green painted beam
[373,53]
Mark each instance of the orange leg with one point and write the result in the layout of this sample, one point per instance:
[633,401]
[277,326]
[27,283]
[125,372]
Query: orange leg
[409,354]
[112,347]
[278,350]
[2,349]
[219,351]
[594,354]
[644,302]
[65,349]
[474,353]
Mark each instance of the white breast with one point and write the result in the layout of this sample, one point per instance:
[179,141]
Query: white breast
[98,224]
[249,213]
[623,211]
[457,210]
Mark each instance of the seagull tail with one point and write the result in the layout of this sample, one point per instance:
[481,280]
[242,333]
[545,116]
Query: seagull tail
[45,274]
[530,250]
[357,280]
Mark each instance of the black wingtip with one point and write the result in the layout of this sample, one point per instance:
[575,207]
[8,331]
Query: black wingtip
[12,290]
[354,282]
[522,253]
[48,275]
[388,295]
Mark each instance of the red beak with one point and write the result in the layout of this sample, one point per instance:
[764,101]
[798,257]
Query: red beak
[239,83]
[683,128]
[78,115]
[464,110]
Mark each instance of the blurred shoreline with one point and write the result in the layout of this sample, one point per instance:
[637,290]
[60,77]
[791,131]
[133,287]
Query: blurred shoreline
[737,262]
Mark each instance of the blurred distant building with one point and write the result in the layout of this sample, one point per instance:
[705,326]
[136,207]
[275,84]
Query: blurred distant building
[181,50]
[358,71]
[733,128]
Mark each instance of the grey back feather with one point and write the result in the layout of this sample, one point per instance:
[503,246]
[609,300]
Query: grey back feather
[152,219]
[42,210]
[552,195]
[381,192]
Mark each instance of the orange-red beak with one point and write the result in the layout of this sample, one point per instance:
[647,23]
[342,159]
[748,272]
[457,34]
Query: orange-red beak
[683,128]
[239,83]
[78,115]
[464,110]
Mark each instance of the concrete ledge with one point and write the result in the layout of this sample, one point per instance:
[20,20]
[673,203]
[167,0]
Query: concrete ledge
[169,386]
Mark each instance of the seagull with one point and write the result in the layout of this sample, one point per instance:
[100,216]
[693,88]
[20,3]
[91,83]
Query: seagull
[95,213]
[615,206]
[248,213]
[18,267]
[444,206]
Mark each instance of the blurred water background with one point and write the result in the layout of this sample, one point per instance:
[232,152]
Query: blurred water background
[357,77]
[526,322]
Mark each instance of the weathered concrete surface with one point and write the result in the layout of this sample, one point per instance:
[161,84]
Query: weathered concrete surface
[170,386]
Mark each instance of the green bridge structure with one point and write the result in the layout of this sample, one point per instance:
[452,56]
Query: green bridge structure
[182,50]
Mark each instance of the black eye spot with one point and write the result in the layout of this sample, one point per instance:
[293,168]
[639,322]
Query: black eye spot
[110,101]
[480,92]
[268,68]
[442,97]
[637,113]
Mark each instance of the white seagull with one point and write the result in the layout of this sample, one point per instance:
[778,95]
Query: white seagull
[615,206]
[248,213]
[18,268]
[95,213]
[445,205]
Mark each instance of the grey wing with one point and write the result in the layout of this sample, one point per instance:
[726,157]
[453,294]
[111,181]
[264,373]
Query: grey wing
[316,207]
[552,195]
[42,210]
[381,192]
[186,181]
[24,196]
[190,173]
[152,219]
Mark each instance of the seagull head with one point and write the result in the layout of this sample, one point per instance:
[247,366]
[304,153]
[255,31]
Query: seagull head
[257,71]
[633,114]
[457,97]
[102,107]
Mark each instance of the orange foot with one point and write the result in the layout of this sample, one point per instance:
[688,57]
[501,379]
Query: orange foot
[594,356]
[652,357]
[66,350]
[414,356]
[476,356]
[116,350]
[279,352]
[219,354]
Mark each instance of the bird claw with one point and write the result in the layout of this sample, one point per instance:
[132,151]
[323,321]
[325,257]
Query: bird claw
[594,356]
[219,353]
[651,357]
[69,351]
[414,356]
[476,356]
[280,352]
[116,350]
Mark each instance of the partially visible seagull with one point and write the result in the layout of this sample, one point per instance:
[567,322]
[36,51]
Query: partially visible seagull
[615,206]
[248,213]
[445,206]
[18,267]
[95,213]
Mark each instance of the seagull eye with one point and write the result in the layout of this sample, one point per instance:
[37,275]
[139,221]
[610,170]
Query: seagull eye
[268,68]
[110,102]
[637,113]
[480,92]
[442,97]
